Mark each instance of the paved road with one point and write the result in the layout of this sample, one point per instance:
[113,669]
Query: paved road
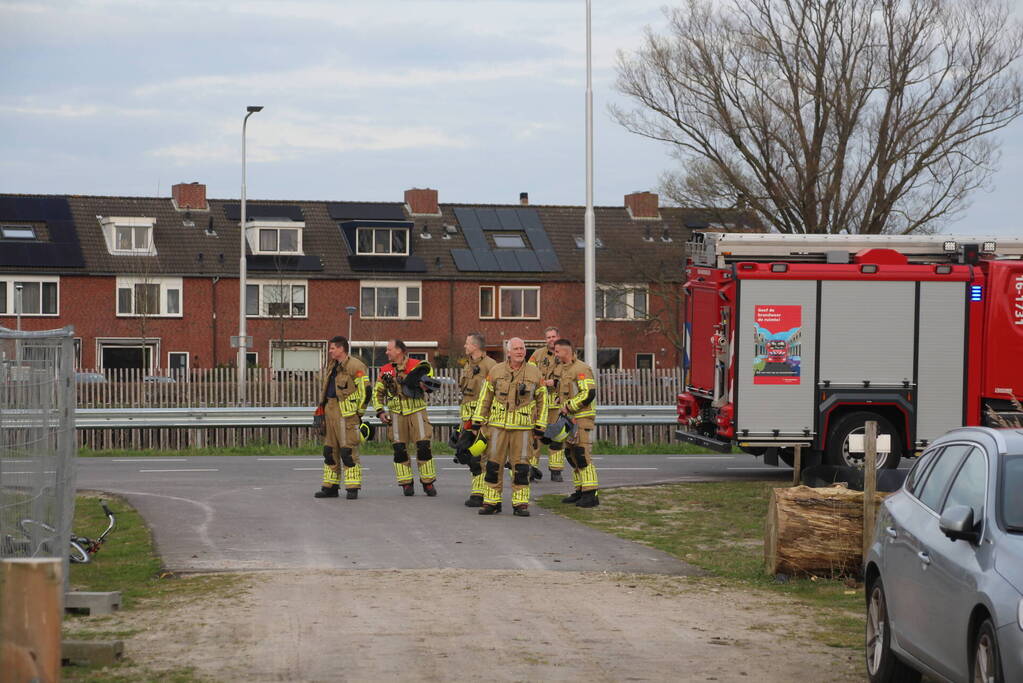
[245,513]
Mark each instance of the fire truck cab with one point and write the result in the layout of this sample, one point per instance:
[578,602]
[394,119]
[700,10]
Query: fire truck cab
[802,339]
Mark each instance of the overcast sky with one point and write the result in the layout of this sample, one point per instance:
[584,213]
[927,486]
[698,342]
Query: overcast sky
[480,99]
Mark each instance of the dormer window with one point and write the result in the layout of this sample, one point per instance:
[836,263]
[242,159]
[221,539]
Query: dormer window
[275,236]
[129,235]
[372,241]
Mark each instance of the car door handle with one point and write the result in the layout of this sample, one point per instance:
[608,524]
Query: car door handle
[924,557]
[890,530]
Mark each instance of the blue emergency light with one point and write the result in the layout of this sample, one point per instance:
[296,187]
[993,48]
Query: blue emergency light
[976,292]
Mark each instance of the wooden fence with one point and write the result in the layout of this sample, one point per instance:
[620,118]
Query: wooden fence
[218,387]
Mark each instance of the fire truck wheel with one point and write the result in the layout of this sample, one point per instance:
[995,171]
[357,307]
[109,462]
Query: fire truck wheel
[851,424]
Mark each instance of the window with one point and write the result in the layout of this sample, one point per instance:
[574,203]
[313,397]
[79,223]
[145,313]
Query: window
[520,302]
[297,355]
[28,295]
[644,361]
[486,302]
[373,356]
[177,361]
[609,359]
[970,485]
[397,300]
[937,479]
[17,232]
[621,303]
[418,355]
[252,359]
[509,242]
[155,296]
[381,241]
[129,235]
[275,236]
[276,299]
[127,354]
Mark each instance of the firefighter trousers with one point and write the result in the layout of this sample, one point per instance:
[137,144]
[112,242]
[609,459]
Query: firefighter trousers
[343,441]
[578,452]
[555,457]
[412,433]
[511,446]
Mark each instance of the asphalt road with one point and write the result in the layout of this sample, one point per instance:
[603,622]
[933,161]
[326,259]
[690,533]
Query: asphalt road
[252,513]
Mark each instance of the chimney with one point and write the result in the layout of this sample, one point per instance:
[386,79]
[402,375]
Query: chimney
[189,197]
[524,198]
[422,202]
[642,205]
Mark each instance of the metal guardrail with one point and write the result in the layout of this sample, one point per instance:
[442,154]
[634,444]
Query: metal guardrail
[440,416]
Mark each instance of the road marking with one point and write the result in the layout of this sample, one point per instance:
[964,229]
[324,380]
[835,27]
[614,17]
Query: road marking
[148,460]
[320,469]
[44,472]
[757,469]
[288,459]
[605,469]
[701,457]
[198,469]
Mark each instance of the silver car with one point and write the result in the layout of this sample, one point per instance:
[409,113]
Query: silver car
[944,575]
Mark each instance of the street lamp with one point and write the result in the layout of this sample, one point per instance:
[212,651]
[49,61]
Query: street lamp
[242,272]
[589,231]
[351,312]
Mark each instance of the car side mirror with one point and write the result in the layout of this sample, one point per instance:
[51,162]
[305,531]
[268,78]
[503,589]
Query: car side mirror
[957,523]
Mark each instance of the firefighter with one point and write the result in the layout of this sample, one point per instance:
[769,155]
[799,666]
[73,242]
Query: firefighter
[343,397]
[511,403]
[399,398]
[545,359]
[475,367]
[577,398]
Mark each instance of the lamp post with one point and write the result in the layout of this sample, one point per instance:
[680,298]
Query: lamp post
[589,230]
[242,272]
[17,311]
[351,312]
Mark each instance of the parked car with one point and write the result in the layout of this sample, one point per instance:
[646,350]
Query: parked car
[90,378]
[944,574]
[159,379]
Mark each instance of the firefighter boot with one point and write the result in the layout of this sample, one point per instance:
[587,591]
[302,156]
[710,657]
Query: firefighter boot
[490,509]
[588,499]
[521,511]
[430,489]
[535,474]
[352,494]
[474,501]
[574,498]
[327,491]
[408,489]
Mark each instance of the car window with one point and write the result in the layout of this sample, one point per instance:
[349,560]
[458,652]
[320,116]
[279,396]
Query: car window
[969,485]
[941,472]
[917,475]
[1011,500]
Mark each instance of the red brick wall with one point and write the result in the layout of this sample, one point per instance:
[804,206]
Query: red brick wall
[450,310]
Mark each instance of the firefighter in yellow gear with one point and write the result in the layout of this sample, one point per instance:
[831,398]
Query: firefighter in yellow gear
[577,399]
[343,397]
[475,367]
[511,404]
[399,398]
[545,359]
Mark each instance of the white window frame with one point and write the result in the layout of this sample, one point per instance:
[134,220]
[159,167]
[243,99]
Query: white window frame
[630,301]
[403,287]
[277,353]
[493,302]
[252,232]
[521,288]
[263,304]
[188,360]
[12,295]
[608,348]
[521,245]
[255,358]
[110,225]
[653,359]
[166,285]
[153,343]
[390,230]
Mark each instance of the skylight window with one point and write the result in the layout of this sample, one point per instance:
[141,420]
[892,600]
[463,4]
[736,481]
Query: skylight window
[509,242]
[17,232]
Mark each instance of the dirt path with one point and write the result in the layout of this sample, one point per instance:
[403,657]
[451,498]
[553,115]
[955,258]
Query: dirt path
[452,624]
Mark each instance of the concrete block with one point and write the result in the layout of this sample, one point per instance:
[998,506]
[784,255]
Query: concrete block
[92,602]
[91,652]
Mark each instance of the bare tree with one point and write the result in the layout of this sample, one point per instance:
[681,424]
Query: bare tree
[871,116]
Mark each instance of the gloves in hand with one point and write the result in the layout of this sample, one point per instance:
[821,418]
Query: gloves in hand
[319,423]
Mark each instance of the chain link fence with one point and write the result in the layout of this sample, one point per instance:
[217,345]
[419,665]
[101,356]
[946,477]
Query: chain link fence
[37,443]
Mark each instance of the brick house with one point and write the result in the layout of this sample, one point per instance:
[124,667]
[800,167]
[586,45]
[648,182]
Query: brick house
[153,282]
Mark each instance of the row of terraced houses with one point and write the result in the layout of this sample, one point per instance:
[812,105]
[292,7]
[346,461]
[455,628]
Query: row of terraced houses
[152,283]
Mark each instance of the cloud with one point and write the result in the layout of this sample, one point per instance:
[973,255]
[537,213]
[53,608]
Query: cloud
[75,111]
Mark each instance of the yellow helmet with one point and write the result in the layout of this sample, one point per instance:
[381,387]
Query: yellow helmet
[478,446]
[365,432]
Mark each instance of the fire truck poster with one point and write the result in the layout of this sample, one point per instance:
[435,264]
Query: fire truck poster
[777,338]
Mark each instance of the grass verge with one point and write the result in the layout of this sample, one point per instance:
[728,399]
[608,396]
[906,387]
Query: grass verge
[719,527]
[128,563]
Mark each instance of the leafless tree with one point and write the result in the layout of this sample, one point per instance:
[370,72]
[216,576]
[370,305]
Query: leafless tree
[870,116]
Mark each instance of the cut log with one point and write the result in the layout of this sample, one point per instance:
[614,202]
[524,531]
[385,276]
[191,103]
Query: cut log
[815,531]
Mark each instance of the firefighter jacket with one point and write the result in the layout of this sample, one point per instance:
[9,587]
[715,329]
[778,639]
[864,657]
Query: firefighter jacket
[512,399]
[545,359]
[470,383]
[576,389]
[351,385]
[388,391]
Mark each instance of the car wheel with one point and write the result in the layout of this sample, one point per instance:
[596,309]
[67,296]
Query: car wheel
[986,663]
[882,664]
[838,453]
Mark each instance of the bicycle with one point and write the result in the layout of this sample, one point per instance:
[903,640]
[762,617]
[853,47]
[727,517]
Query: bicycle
[82,548]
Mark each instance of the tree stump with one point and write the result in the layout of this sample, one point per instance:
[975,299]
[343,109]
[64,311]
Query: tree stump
[815,531]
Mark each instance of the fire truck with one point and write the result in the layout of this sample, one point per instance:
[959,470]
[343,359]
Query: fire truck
[918,333]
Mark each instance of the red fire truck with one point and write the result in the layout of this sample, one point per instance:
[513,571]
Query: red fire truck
[918,333]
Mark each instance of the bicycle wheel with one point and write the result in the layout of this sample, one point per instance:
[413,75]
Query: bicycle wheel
[77,553]
[31,527]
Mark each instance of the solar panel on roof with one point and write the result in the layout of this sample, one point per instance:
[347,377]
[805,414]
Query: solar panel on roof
[508,219]
[488,219]
[528,262]
[464,260]
[467,217]
[506,259]
[366,211]
[485,259]
[475,239]
[233,212]
[548,260]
